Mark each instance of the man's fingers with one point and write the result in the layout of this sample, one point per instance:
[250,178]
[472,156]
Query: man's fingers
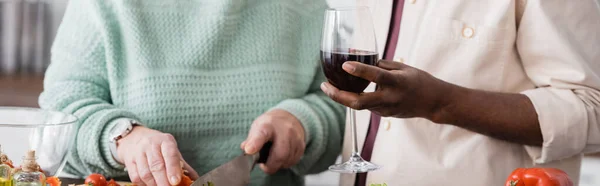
[368,72]
[367,101]
[172,159]
[352,100]
[259,135]
[390,65]
[340,96]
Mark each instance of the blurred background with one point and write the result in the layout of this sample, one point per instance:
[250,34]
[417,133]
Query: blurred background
[27,30]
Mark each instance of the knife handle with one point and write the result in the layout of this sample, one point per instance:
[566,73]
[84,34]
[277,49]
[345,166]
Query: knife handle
[264,152]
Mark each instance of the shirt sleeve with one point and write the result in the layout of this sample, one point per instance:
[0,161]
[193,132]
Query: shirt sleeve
[76,82]
[558,42]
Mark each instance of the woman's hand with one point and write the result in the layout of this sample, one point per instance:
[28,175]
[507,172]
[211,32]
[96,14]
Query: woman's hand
[402,91]
[152,157]
[286,133]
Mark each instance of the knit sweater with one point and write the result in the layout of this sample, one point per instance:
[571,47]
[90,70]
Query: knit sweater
[201,70]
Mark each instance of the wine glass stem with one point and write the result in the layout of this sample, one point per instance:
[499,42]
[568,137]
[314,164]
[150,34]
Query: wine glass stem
[353,130]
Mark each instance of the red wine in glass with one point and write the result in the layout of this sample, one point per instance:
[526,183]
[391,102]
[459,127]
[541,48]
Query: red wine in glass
[336,76]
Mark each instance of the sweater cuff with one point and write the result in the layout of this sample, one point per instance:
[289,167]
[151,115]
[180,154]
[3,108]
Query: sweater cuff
[303,112]
[105,143]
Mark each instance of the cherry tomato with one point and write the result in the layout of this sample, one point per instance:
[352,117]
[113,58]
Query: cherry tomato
[96,180]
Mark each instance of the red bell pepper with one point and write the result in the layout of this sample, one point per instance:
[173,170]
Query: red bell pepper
[538,177]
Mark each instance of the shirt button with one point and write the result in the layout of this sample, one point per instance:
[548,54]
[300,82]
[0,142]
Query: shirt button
[468,32]
[388,125]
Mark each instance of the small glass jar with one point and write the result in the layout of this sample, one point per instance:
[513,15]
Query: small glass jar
[29,174]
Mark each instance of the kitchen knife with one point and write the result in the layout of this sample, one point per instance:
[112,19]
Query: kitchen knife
[235,172]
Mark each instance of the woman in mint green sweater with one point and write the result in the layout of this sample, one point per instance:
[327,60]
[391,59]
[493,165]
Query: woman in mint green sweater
[197,78]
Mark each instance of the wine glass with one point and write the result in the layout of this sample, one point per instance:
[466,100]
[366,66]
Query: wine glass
[348,35]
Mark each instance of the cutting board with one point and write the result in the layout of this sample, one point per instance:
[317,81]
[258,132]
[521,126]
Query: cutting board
[67,181]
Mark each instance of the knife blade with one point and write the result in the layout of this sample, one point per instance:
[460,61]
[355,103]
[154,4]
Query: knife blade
[235,172]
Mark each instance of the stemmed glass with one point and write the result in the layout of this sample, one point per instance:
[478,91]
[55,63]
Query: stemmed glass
[348,35]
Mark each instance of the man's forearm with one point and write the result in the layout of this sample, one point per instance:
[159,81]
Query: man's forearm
[506,116]
[407,92]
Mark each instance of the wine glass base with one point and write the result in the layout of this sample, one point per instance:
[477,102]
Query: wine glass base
[354,166]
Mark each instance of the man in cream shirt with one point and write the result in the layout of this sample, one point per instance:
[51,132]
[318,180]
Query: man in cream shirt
[477,89]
